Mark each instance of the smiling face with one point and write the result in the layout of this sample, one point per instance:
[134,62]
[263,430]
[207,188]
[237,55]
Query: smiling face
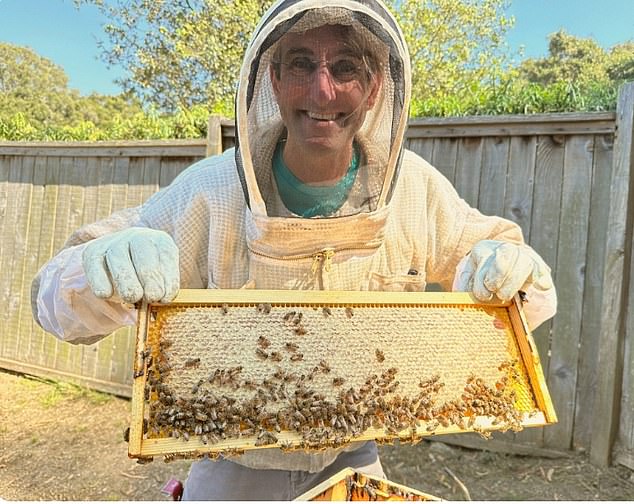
[323,89]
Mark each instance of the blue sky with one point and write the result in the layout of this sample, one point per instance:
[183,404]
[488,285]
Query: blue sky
[56,30]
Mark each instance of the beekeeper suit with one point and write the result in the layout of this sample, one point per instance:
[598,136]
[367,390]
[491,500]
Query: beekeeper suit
[318,194]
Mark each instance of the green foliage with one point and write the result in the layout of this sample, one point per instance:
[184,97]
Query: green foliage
[34,93]
[180,53]
[579,60]
[183,53]
[517,97]
[141,126]
[453,43]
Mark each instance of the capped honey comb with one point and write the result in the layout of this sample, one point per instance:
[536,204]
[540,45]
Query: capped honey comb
[223,371]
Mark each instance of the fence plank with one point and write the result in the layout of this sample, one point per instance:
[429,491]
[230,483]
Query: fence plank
[107,369]
[91,168]
[518,208]
[519,183]
[468,166]
[444,157]
[69,356]
[515,125]
[5,212]
[151,176]
[573,224]
[544,235]
[29,256]
[28,326]
[424,147]
[624,448]
[170,168]
[20,199]
[591,323]
[495,154]
[615,282]
[9,232]
[47,246]
[137,148]
[5,169]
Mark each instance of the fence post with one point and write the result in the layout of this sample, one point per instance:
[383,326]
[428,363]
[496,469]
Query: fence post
[615,284]
[214,136]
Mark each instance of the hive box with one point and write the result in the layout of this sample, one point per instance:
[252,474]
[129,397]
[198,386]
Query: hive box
[350,485]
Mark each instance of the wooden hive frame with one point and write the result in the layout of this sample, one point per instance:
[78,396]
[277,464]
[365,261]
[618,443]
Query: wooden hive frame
[349,485]
[410,327]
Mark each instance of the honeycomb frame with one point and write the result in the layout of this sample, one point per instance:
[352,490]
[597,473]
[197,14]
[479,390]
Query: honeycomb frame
[364,393]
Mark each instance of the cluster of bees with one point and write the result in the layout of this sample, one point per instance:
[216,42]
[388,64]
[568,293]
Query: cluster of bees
[359,487]
[287,401]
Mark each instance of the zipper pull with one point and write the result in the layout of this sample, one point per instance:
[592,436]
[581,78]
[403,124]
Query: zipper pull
[325,258]
[317,258]
[328,254]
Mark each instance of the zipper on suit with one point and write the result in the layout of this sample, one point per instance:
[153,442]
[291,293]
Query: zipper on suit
[322,261]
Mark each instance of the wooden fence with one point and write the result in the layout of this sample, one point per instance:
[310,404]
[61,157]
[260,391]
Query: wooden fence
[566,179]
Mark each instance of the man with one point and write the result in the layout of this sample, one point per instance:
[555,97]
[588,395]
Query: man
[318,194]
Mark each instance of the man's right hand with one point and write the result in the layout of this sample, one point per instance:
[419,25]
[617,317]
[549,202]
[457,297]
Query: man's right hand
[133,264]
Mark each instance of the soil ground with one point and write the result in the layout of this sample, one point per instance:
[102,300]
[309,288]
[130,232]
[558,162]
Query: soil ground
[63,442]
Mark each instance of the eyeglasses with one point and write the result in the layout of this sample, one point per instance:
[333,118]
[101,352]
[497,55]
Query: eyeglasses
[342,68]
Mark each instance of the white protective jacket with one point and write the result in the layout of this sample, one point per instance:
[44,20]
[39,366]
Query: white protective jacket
[402,227]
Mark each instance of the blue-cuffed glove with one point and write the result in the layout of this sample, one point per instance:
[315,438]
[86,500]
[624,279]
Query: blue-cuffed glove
[133,264]
[502,269]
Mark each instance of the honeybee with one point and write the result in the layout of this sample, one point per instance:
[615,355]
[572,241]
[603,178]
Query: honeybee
[263,342]
[324,366]
[380,356]
[349,312]
[291,347]
[261,354]
[193,362]
[326,311]
[163,367]
[286,445]
[276,356]
[300,330]
[264,308]
[297,357]
[225,309]
[337,382]
[288,316]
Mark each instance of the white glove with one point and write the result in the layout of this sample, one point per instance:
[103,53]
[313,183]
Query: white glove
[133,264]
[502,269]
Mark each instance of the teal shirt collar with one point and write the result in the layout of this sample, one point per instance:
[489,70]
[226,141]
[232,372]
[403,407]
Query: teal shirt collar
[308,200]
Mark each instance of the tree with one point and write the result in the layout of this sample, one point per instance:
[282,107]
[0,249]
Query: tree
[179,53]
[581,61]
[37,89]
[453,43]
[570,59]
[32,85]
[186,52]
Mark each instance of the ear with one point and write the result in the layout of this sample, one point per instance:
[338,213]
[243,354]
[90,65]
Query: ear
[375,88]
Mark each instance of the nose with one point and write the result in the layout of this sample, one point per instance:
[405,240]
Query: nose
[323,86]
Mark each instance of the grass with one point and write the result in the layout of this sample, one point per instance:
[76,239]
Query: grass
[54,392]
[63,391]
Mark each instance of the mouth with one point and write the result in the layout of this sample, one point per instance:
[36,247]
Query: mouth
[315,116]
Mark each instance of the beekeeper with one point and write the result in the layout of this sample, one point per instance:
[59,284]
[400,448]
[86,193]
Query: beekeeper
[319,193]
